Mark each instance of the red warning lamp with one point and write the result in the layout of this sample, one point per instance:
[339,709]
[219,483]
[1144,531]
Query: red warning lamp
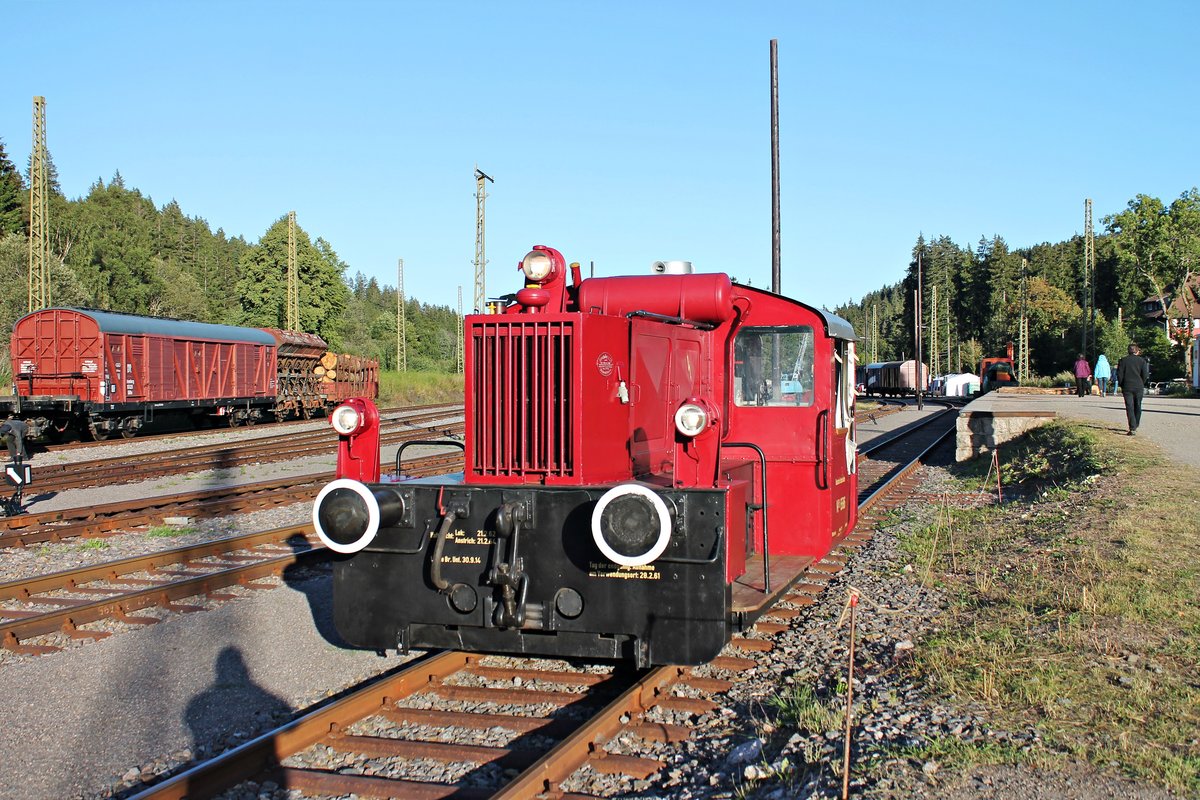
[357,424]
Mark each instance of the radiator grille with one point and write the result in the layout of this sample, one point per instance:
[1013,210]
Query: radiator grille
[523,396]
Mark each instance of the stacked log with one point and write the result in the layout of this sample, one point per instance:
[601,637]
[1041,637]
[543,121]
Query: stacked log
[343,368]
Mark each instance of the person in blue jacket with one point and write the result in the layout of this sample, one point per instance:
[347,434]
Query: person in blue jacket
[1102,373]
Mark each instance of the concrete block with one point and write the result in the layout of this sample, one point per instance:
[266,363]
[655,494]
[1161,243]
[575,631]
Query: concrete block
[981,432]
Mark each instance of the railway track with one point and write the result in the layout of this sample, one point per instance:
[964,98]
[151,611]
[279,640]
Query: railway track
[423,712]
[113,518]
[284,447]
[167,436]
[64,602]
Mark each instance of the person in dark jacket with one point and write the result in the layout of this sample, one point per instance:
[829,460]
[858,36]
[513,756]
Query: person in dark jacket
[1133,372]
[14,431]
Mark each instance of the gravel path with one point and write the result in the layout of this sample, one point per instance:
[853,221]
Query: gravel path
[1171,423]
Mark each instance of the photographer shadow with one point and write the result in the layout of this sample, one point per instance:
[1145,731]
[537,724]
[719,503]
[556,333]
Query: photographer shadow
[213,726]
[314,580]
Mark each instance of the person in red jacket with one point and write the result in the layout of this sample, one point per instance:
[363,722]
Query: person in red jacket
[1083,373]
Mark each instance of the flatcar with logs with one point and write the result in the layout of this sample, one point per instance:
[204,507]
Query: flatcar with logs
[896,378]
[103,374]
[650,462]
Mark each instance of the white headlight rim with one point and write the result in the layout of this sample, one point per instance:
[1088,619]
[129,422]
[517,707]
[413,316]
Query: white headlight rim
[537,266]
[373,516]
[687,410]
[664,524]
[336,419]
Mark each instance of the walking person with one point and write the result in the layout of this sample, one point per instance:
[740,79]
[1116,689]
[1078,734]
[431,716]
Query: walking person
[1102,373]
[1082,373]
[1132,373]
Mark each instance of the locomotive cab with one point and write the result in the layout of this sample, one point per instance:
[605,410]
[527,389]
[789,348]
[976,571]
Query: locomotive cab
[650,462]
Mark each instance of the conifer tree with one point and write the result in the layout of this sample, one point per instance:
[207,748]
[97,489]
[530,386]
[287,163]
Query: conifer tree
[13,215]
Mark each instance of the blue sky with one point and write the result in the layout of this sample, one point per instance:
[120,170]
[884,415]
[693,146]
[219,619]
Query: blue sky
[618,132]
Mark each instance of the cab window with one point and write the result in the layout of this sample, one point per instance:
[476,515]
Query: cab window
[773,366]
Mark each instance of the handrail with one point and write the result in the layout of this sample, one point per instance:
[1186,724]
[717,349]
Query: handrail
[650,315]
[762,457]
[823,448]
[427,443]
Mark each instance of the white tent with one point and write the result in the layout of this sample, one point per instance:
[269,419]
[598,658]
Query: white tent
[961,384]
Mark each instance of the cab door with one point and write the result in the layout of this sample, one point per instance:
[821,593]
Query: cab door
[838,441]
[779,401]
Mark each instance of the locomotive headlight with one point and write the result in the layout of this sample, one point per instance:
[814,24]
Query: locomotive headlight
[691,419]
[537,266]
[346,516]
[631,525]
[346,419]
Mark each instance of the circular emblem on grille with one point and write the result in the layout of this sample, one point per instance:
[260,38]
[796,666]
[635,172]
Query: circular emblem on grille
[604,363]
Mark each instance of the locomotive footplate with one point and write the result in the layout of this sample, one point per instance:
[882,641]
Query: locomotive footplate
[520,570]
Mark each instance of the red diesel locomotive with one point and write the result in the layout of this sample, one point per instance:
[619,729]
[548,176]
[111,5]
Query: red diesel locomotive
[650,462]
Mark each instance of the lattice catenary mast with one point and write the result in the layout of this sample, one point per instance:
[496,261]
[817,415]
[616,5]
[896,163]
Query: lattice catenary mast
[401,333]
[293,279]
[935,351]
[459,338]
[949,366]
[1023,334]
[875,334]
[1089,277]
[480,259]
[39,212]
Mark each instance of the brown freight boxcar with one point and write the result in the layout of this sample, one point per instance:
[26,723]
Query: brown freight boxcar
[106,373]
[123,371]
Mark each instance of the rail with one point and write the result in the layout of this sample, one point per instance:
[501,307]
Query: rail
[673,688]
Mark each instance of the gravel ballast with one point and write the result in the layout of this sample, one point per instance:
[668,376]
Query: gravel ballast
[104,716]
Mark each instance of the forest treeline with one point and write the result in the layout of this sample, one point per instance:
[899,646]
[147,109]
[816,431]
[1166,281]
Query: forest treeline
[115,249]
[1145,257]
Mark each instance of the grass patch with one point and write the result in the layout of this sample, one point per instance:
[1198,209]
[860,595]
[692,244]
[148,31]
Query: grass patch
[94,544]
[953,753]
[1053,456]
[168,531]
[800,708]
[1076,612]
[419,388]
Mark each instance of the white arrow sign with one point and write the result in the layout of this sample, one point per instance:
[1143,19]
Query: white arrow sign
[18,474]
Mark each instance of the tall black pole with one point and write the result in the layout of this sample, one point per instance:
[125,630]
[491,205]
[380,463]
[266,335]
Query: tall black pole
[776,277]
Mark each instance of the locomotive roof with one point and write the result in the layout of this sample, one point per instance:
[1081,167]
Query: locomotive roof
[117,322]
[835,326]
